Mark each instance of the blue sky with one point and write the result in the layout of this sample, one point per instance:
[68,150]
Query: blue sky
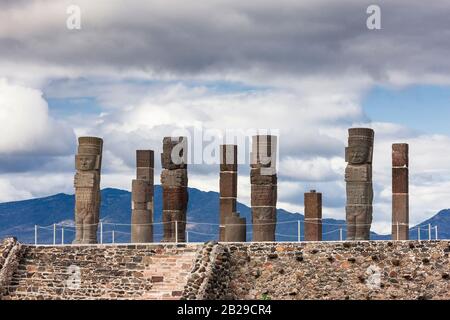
[421,107]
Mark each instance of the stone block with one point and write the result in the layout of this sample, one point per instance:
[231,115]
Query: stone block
[400,180]
[145,159]
[228,184]
[400,155]
[358,173]
[359,193]
[263,195]
[174,178]
[141,191]
[175,198]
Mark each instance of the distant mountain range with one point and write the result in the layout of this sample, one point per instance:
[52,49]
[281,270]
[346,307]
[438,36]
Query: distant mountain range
[19,218]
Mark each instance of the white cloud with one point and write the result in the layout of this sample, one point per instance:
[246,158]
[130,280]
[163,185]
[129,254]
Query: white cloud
[26,127]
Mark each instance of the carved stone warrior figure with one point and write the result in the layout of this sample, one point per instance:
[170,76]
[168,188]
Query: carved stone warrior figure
[142,198]
[87,189]
[263,179]
[358,176]
[174,181]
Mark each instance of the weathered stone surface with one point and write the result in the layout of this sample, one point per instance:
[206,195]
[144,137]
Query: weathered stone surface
[358,173]
[358,176]
[264,195]
[227,185]
[143,272]
[263,181]
[87,189]
[174,181]
[313,216]
[235,228]
[400,180]
[279,271]
[335,271]
[400,155]
[359,193]
[142,206]
[264,223]
[175,198]
[174,154]
[400,191]
[174,178]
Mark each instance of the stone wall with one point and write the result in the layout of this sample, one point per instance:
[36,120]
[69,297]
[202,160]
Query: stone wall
[287,271]
[5,247]
[360,270]
[102,272]
[210,275]
[10,254]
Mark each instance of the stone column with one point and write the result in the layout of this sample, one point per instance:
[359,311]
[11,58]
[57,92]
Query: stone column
[400,191]
[358,176]
[235,228]
[263,179]
[142,198]
[87,189]
[174,183]
[227,185]
[313,216]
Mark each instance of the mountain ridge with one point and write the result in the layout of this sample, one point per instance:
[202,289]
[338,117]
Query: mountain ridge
[18,218]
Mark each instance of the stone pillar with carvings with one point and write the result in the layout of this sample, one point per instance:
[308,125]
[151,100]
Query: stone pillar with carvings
[400,191]
[142,205]
[313,216]
[174,181]
[358,176]
[87,189]
[263,179]
[227,185]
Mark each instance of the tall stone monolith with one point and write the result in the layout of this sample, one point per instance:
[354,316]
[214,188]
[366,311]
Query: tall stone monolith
[313,216]
[142,204]
[358,176]
[174,181]
[87,189]
[400,191]
[227,185]
[263,179]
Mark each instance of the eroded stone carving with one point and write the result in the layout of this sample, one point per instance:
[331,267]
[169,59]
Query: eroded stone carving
[174,181]
[358,175]
[87,189]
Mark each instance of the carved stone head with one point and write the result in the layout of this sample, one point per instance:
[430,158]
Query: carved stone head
[86,162]
[360,146]
[359,154]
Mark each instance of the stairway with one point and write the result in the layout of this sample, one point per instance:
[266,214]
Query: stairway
[144,272]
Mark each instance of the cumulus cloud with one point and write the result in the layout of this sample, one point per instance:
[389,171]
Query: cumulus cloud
[31,138]
[258,41]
